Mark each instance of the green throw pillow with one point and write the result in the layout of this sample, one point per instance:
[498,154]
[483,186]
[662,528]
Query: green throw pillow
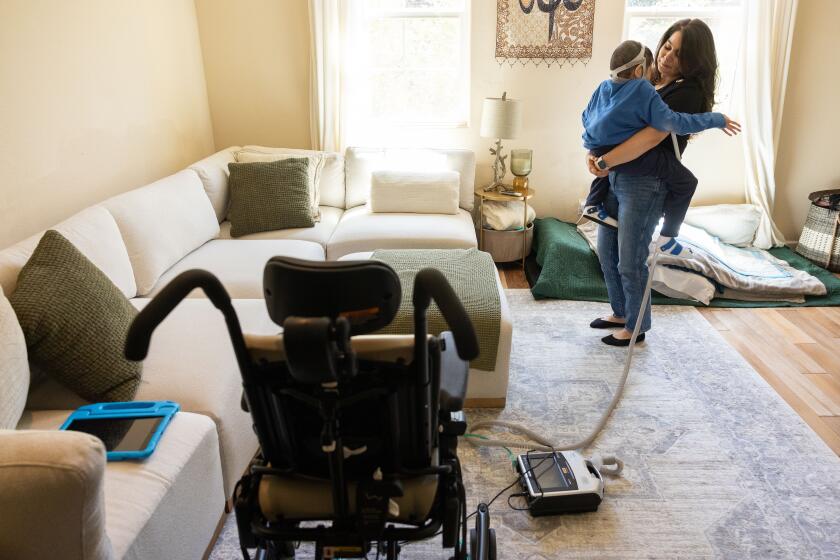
[75,322]
[265,196]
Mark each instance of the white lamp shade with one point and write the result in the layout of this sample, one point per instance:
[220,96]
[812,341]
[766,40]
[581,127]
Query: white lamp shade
[500,118]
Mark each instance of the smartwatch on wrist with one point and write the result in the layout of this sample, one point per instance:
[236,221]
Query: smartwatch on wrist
[601,164]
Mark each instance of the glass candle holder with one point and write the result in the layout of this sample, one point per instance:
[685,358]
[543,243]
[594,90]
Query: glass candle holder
[520,161]
[520,166]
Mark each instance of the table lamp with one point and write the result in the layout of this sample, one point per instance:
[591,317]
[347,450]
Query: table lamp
[500,118]
[520,166]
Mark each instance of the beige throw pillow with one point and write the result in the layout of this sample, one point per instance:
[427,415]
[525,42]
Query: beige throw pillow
[314,168]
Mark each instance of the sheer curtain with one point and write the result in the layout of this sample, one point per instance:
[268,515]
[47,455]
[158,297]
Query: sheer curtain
[760,87]
[336,83]
[325,74]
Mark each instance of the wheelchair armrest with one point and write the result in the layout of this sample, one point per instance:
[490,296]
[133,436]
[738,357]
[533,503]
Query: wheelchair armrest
[454,373]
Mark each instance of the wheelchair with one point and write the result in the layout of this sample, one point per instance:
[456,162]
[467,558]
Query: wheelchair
[358,432]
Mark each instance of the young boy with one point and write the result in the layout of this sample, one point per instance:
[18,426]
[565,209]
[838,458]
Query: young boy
[620,107]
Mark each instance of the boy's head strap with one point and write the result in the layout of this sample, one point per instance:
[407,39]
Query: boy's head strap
[638,59]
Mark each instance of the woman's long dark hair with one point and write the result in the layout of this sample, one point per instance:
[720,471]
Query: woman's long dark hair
[698,58]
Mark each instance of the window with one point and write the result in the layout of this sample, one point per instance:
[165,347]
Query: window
[411,63]
[647,20]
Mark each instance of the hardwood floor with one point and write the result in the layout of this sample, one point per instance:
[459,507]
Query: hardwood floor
[796,350]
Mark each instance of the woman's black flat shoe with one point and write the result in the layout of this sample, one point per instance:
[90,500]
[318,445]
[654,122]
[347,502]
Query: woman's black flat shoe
[613,341]
[602,324]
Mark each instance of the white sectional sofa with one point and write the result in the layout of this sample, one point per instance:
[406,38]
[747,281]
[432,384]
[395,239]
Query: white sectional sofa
[169,505]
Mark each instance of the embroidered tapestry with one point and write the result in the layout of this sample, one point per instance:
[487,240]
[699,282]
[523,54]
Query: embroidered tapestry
[549,31]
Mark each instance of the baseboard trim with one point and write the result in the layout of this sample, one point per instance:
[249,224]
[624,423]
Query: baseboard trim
[216,533]
[498,402]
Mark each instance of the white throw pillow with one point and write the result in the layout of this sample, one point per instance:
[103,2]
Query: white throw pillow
[316,166]
[734,224]
[14,367]
[360,163]
[214,174]
[433,192]
[92,231]
[163,222]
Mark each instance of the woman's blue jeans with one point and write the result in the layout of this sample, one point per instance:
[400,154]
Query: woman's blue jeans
[637,203]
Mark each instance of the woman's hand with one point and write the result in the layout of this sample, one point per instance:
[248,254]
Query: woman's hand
[590,163]
[731,128]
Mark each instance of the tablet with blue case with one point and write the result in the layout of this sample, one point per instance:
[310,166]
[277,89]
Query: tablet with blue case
[129,430]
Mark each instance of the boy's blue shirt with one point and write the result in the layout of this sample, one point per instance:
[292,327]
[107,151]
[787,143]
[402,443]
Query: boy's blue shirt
[616,111]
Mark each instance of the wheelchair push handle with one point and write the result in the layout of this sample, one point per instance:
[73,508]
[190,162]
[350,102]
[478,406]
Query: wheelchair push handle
[148,319]
[431,284]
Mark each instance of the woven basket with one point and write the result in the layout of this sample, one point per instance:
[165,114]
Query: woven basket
[819,240]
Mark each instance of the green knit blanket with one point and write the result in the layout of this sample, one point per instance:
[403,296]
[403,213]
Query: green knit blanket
[472,275]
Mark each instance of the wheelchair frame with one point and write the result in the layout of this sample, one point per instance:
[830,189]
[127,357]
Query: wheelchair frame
[349,535]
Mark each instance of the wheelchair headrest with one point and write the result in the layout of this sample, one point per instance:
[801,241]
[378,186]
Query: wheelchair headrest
[366,293]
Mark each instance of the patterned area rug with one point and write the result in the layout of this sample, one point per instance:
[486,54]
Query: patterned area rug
[717,465]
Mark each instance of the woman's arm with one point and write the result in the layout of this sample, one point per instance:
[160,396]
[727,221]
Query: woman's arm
[633,147]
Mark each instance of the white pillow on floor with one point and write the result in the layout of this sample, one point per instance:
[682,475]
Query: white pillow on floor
[734,224]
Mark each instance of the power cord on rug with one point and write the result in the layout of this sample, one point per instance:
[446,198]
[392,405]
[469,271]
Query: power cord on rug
[607,464]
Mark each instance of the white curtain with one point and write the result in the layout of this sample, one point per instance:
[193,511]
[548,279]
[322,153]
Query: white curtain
[760,86]
[337,73]
[325,74]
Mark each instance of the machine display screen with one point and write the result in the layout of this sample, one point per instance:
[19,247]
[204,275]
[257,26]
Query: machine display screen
[550,472]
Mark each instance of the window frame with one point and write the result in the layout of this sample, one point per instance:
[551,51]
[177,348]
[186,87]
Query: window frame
[696,12]
[463,68]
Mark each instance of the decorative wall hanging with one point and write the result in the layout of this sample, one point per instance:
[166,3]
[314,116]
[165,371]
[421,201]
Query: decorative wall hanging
[544,31]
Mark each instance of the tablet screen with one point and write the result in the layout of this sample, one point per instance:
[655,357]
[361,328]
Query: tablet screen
[119,434]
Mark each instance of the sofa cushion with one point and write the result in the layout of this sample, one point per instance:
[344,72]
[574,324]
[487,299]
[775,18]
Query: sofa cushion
[213,172]
[331,185]
[360,163]
[315,167]
[166,506]
[362,230]
[162,222]
[75,322]
[239,264]
[419,192]
[95,233]
[191,362]
[265,196]
[320,233]
[14,367]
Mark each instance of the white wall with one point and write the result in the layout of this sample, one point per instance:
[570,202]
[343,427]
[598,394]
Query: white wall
[256,57]
[808,155]
[98,97]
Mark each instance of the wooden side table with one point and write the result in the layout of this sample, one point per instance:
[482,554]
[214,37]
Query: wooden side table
[492,195]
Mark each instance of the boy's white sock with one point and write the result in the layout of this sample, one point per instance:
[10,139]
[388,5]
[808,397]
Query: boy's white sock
[670,246]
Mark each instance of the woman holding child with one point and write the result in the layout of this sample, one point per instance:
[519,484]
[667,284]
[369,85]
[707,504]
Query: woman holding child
[684,75]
